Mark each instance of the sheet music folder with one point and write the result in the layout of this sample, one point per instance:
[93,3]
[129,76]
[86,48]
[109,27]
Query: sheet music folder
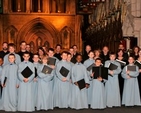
[51,61]
[27,72]
[64,71]
[81,84]
[90,67]
[47,70]
[131,68]
[100,71]
[112,66]
[138,64]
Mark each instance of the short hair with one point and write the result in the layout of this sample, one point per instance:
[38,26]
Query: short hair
[4,43]
[78,55]
[28,45]
[11,45]
[51,49]
[59,45]
[65,52]
[71,47]
[74,45]
[35,54]
[26,53]
[22,42]
[90,51]
[132,57]
[11,54]
[112,53]
[98,59]
[44,57]
[69,53]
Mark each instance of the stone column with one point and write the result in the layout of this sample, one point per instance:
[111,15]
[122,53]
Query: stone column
[28,6]
[5,4]
[72,7]
[19,6]
[46,6]
[68,6]
[39,7]
[53,6]
[60,6]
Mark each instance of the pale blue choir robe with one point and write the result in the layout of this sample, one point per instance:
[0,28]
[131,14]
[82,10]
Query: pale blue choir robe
[61,89]
[35,85]
[98,97]
[112,86]
[79,97]
[0,80]
[131,94]
[17,60]
[87,63]
[9,95]
[0,88]
[54,79]
[25,91]
[72,64]
[45,90]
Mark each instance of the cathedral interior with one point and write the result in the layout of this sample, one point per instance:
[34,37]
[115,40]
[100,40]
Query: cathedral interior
[71,22]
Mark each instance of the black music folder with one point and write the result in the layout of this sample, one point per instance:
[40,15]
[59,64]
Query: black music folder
[51,61]
[122,63]
[112,66]
[27,72]
[131,68]
[64,71]
[100,71]
[81,84]
[90,67]
[5,79]
[47,70]
[138,64]
[36,72]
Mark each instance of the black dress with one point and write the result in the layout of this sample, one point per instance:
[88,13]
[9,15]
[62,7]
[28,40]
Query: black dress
[121,80]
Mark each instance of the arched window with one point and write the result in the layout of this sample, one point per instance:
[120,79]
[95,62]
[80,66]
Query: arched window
[11,32]
[66,34]
[39,42]
[46,45]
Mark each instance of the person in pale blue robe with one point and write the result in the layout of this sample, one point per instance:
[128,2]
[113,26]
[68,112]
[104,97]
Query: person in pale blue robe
[1,62]
[25,91]
[45,90]
[87,63]
[9,94]
[51,55]
[35,81]
[98,90]
[131,94]
[1,67]
[69,57]
[62,85]
[11,48]
[79,97]
[112,84]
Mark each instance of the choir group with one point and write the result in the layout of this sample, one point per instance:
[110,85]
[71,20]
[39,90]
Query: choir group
[52,79]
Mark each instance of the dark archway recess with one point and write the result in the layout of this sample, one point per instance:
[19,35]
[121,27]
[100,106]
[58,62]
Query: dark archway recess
[36,28]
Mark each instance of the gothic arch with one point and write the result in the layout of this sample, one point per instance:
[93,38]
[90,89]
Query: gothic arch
[11,34]
[39,27]
[67,35]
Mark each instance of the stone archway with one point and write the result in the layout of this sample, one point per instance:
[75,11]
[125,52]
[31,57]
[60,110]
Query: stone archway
[38,31]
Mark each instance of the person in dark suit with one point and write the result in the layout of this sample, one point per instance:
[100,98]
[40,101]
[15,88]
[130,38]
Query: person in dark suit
[4,50]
